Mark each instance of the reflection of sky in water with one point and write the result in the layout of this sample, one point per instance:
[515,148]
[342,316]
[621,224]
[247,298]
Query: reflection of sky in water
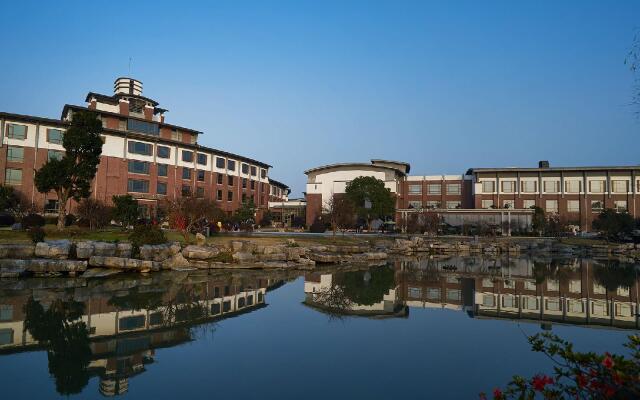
[289,350]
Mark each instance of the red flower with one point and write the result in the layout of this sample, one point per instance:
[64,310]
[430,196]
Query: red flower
[608,361]
[582,380]
[540,381]
[497,394]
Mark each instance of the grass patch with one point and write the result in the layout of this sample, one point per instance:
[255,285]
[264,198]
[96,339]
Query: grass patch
[578,241]
[75,233]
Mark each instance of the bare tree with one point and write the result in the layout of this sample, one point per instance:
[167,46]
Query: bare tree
[191,214]
[340,212]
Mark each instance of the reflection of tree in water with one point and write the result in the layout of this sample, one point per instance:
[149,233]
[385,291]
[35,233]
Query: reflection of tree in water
[614,274]
[356,288]
[66,339]
[137,300]
[555,269]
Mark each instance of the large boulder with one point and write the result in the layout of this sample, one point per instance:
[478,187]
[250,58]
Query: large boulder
[159,252]
[124,249]
[176,261]
[200,239]
[104,249]
[200,252]
[124,263]
[54,249]
[17,250]
[84,249]
[243,257]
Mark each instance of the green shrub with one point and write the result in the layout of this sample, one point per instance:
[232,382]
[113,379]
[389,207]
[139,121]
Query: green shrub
[146,234]
[36,234]
[31,220]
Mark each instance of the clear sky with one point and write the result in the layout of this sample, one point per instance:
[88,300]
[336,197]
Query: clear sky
[299,84]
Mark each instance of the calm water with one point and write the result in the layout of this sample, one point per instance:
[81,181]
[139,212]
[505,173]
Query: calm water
[430,328]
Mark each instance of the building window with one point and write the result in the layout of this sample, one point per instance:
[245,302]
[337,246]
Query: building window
[454,294]
[597,205]
[434,293]
[596,186]
[488,187]
[220,179]
[453,205]
[229,195]
[454,188]
[139,148]
[509,301]
[528,186]
[163,152]
[508,186]
[572,186]
[244,183]
[510,204]
[187,156]
[245,168]
[161,188]
[229,180]
[551,186]
[54,155]
[434,189]
[199,192]
[138,186]
[231,165]
[186,173]
[220,162]
[253,185]
[162,170]
[13,176]
[551,206]
[219,195]
[122,125]
[186,190]
[433,204]
[138,167]
[15,131]
[15,153]
[575,286]
[263,173]
[415,204]
[528,203]
[553,304]
[244,197]
[51,206]
[201,175]
[254,171]
[54,136]
[176,135]
[620,186]
[202,159]
[573,206]
[415,189]
[148,128]
[620,205]
[487,203]
[488,300]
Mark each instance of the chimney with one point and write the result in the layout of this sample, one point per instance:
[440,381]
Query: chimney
[543,164]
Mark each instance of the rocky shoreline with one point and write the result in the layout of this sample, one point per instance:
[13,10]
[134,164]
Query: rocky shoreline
[101,259]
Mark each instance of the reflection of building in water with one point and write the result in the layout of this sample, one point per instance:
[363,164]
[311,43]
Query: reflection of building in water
[128,319]
[580,292]
[337,293]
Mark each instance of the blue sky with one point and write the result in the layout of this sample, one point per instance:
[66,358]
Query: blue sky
[299,84]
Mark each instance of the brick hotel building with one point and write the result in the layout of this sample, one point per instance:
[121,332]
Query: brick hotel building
[142,155]
[577,194]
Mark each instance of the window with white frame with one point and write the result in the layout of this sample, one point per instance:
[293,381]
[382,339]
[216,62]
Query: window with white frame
[553,285]
[15,153]
[572,186]
[575,286]
[453,204]
[551,186]
[551,206]
[510,204]
[553,304]
[13,176]
[573,205]
[433,204]
[415,204]
[454,188]
[487,203]
[597,186]
[620,205]
[488,187]
[434,188]
[415,189]
[54,136]
[530,285]
[15,131]
[508,186]
[620,186]
[528,203]
[54,155]
[597,205]
[528,186]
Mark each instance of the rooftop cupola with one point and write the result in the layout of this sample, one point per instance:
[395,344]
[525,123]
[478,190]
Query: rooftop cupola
[125,85]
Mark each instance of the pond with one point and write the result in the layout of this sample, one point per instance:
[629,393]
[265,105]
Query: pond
[446,327]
